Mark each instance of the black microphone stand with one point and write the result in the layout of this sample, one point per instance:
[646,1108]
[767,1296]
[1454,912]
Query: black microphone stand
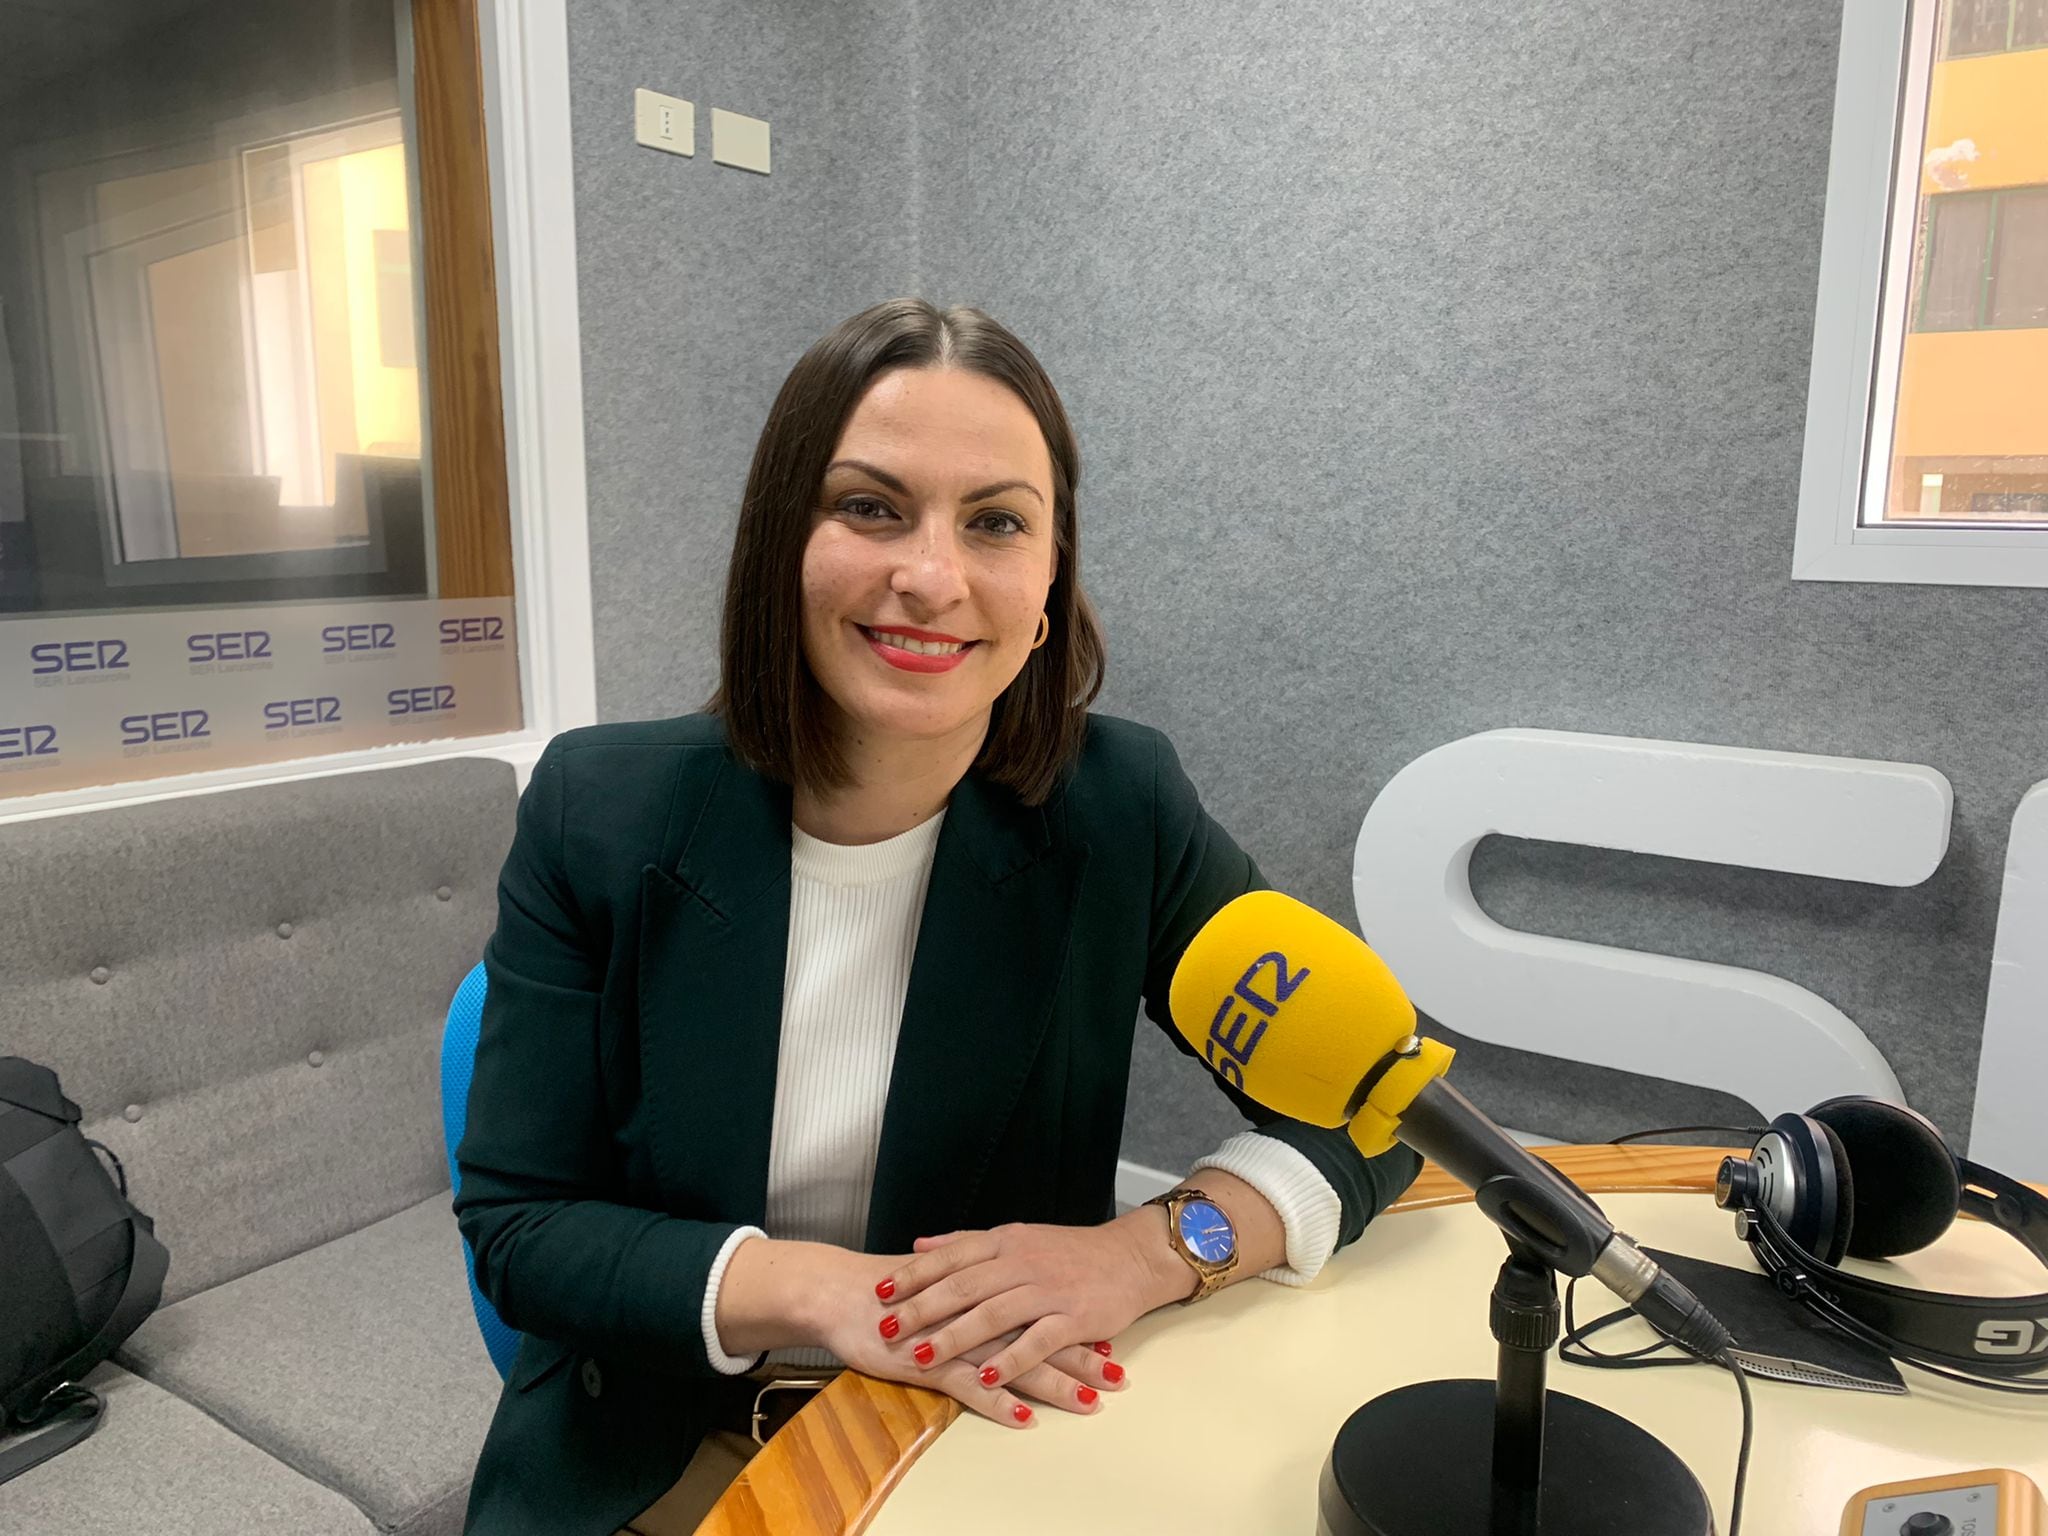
[1526,1321]
[1509,1456]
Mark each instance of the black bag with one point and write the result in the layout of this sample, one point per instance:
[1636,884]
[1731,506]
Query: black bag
[80,1268]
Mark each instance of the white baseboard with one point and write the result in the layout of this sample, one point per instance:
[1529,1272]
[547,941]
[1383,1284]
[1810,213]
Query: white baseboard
[1135,1183]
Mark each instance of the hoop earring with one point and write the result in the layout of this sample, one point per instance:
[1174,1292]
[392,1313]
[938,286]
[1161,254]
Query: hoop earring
[1044,630]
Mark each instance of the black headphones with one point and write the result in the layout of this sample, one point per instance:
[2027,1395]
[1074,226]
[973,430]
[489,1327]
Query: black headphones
[1870,1179]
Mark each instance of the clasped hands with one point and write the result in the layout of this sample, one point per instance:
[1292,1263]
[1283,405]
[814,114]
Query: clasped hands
[1021,1311]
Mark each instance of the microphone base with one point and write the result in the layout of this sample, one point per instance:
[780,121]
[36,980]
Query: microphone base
[1418,1461]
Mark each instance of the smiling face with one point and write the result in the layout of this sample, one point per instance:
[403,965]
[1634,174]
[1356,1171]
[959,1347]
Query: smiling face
[931,557]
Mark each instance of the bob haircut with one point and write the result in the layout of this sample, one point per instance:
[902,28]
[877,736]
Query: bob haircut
[774,710]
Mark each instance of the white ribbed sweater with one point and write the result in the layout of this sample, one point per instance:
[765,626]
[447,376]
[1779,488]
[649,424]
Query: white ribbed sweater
[853,921]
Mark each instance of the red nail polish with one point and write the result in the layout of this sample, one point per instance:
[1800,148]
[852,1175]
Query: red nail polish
[885,1289]
[990,1376]
[1087,1395]
[1100,1346]
[890,1327]
[1112,1373]
[923,1353]
[1021,1413]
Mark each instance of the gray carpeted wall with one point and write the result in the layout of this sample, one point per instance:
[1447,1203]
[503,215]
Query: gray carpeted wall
[699,285]
[1435,370]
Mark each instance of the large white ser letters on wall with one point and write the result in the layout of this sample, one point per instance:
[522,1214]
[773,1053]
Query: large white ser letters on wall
[1775,1045]
[2009,1127]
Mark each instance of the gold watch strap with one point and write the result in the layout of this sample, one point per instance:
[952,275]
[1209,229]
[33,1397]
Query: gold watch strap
[1211,1273]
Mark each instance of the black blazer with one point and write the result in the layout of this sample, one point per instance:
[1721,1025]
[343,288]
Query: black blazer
[625,1079]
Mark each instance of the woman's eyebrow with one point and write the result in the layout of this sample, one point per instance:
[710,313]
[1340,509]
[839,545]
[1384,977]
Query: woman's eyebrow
[878,473]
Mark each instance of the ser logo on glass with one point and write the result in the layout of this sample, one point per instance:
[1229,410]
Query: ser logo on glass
[65,657]
[27,741]
[228,645]
[1234,1033]
[342,639]
[280,714]
[165,725]
[433,700]
[471,631]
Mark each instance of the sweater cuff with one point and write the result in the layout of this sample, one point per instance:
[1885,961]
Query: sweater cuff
[721,1362]
[1309,1209]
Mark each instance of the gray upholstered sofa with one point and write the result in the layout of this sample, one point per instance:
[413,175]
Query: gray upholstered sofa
[244,992]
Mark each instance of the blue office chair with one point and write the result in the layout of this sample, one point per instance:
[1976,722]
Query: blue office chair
[458,1063]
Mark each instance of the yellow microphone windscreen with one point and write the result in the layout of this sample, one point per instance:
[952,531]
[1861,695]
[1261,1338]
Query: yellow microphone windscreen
[1288,1005]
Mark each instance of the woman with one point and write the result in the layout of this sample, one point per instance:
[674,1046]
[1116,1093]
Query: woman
[809,1017]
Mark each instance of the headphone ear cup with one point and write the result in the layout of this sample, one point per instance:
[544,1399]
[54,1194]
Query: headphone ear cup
[1797,1172]
[1831,1244]
[1908,1185]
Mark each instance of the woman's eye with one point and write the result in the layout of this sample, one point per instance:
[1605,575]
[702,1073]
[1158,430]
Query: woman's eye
[1007,524]
[865,507]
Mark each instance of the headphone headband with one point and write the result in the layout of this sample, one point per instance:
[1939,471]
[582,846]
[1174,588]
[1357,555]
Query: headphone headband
[2003,1336]
[2008,1205]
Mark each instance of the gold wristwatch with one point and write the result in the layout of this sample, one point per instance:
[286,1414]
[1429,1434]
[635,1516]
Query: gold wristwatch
[1198,1230]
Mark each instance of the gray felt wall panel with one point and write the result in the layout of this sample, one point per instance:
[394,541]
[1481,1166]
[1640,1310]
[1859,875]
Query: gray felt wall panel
[1434,370]
[699,286]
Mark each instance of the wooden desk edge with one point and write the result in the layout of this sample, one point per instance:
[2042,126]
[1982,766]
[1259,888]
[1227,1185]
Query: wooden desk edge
[830,1468]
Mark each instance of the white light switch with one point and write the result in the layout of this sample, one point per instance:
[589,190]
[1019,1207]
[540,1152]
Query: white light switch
[664,122]
[738,140]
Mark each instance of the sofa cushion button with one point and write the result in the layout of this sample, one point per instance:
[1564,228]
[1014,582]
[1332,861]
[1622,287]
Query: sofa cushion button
[100,974]
[445,894]
[593,1379]
[284,930]
[132,1113]
[314,1058]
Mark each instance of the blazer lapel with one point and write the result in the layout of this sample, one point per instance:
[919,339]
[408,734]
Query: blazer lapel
[714,938]
[990,949]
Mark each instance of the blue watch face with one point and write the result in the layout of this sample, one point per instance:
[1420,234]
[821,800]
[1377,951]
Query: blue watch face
[1207,1232]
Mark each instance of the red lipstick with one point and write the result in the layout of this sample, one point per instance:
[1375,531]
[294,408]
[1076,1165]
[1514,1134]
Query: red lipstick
[912,661]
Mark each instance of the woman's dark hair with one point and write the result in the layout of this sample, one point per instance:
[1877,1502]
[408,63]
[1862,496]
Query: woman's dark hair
[774,710]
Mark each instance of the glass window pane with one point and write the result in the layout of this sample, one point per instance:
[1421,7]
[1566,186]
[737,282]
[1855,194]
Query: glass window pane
[1957,228]
[394,307]
[1977,26]
[211,310]
[2030,24]
[2019,259]
[219,537]
[1965,430]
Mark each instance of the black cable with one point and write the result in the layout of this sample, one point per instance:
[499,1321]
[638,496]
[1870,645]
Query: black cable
[1749,1131]
[1634,1359]
[1630,1359]
[1727,1358]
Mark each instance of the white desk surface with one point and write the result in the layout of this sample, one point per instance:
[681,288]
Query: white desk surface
[1232,1404]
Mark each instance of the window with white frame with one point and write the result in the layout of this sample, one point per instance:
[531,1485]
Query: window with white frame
[1927,417]
[254,510]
